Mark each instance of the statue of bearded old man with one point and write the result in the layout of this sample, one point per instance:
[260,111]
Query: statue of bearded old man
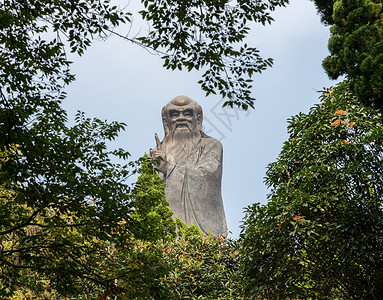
[191,164]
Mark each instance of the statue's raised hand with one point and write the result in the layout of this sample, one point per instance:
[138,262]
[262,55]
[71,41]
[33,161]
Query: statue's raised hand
[158,155]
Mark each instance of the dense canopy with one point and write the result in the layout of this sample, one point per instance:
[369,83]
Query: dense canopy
[320,234]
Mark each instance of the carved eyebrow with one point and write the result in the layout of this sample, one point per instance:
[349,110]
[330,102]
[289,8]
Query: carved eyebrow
[173,112]
[188,111]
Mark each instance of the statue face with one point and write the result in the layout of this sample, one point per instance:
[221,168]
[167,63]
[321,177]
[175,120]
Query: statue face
[182,118]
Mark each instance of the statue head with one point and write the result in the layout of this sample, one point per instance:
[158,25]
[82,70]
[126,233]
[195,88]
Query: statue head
[182,114]
[182,120]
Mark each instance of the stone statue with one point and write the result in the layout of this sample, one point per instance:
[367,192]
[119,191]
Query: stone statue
[191,165]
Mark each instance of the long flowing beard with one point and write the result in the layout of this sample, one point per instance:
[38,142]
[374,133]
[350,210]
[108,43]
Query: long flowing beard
[179,145]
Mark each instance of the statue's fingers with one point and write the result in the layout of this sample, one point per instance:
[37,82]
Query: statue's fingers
[157,141]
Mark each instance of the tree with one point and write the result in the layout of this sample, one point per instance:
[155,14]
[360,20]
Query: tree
[133,267]
[192,266]
[356,46]
[320,235]
[152,218]
[92,262]
[68,196]
[201,267]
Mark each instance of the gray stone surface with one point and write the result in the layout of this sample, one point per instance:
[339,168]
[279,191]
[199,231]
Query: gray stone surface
[191,167]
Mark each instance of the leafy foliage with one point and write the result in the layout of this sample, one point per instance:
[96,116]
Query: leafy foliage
[356,47]
[69,253]
[325,10]
[320,235]
[152,218]
[209,35]
[67,193]
[192,266]
[201,268]
[133,266]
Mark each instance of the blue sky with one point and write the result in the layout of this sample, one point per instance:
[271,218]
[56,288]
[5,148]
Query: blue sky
[117,81]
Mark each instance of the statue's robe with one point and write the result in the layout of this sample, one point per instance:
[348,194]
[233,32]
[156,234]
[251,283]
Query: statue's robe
[193,189]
